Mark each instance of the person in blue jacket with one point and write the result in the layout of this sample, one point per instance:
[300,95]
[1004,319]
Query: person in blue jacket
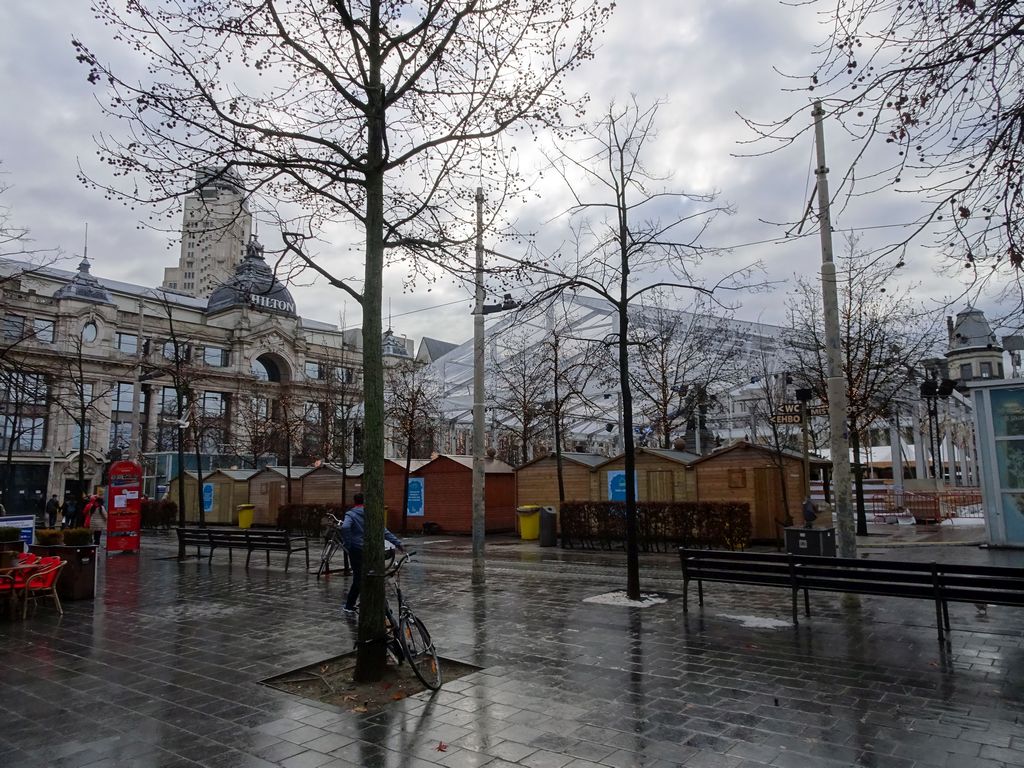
[352,538]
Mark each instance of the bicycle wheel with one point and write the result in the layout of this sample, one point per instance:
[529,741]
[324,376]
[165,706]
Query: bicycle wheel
[419,650]
[330,547]
[394,643]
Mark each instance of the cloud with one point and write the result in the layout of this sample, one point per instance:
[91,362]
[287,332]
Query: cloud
[708,61]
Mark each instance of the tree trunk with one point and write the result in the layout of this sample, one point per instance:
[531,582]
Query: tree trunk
[371,647]
[405,490]
[858,480]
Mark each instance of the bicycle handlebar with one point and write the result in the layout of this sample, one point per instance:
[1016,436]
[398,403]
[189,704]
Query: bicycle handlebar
[397,564]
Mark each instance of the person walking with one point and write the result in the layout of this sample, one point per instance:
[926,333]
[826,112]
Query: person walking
[96,519]
[70,512]
[52,510]
[352,538]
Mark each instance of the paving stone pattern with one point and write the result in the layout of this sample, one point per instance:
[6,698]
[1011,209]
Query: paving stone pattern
[163,669]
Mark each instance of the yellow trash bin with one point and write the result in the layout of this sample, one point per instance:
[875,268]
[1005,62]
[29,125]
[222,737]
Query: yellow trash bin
[529,522]
[245,514]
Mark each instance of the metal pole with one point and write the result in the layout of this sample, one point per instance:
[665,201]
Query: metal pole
[479,520]
[807,449]
[896,451]
[135,451]
[836,382]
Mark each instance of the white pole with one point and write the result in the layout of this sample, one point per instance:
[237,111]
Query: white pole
[836,383]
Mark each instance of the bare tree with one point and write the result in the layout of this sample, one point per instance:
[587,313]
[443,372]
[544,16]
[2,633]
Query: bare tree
[936,83]
[624,249]
[24,394]
[884,333]
[255,429]
[80,398]
[770,392]
[363,111]
[520,383]
[412,394]
[574,363]
[682,355]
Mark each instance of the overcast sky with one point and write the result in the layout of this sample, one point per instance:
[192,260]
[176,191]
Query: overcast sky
[708,61]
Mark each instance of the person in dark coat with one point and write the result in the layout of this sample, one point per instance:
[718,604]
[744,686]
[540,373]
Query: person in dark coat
[352,538]
[810,513]
[52,510]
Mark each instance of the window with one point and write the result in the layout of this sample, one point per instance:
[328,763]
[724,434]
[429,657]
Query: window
[123,396]
[89,332]
[27,433]
[215,357]
[343,375]
[43,330]
[128,343]
[13,327]
[213,404]
[313,370]
[986,370]
[965,372]
[76,434]
[182,349]
[120,434]
[23,389]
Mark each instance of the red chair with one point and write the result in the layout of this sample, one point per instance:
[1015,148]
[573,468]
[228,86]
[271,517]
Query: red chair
[7,590]
[41,584]
[27,558]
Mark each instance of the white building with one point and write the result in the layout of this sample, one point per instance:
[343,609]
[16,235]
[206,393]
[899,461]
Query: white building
[216,227]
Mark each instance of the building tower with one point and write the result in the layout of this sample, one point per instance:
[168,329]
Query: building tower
[215,229]
[974,352]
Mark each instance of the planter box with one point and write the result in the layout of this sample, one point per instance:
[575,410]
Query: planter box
[78,578]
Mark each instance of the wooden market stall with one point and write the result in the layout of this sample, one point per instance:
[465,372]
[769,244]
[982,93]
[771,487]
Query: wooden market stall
[230,488]
[448,495]
[537,480]
[661,475]
[268,490]
[754,474]
[323,484]
[394,490]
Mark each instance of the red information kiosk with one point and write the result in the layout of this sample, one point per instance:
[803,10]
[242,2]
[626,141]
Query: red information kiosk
[124,499]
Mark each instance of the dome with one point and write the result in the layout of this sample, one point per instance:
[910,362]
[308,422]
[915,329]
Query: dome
[253,285]
[84,287]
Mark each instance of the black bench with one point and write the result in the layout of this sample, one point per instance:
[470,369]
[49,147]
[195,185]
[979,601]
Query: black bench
[268,540]
[941,583]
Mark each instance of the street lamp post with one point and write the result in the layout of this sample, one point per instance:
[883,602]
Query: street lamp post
[480,309]
[932,390]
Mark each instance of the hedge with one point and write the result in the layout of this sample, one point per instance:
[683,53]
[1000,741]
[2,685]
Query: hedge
[307,519]
[661,526]
[158,514]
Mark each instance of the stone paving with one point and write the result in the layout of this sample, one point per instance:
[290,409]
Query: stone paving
[162,669]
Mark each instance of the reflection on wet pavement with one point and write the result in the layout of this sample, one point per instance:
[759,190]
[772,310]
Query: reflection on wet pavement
[163,669]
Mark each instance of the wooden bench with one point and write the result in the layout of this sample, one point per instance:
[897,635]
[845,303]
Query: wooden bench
[940,583]
[268,540]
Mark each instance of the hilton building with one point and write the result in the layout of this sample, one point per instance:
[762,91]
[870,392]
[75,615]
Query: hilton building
[93,369]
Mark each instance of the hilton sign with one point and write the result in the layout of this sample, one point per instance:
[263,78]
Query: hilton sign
[275,305]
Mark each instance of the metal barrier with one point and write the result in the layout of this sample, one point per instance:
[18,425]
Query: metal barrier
[927,506]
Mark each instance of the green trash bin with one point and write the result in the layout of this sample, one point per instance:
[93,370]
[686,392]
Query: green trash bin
[529,522]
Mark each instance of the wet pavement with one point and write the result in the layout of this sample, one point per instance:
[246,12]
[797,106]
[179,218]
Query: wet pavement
[163,669]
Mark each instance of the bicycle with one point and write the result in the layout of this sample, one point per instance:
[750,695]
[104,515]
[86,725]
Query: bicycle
[412,641]
[332,543]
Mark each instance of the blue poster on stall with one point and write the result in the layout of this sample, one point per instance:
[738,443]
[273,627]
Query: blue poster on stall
[415,508]
[207,498]
[617,485]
